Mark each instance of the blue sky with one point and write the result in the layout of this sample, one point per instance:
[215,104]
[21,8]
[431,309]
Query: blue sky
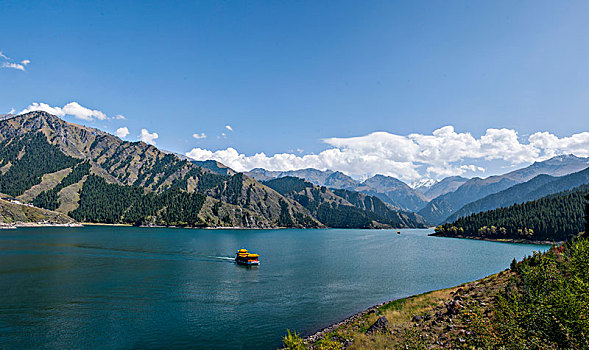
[288,75]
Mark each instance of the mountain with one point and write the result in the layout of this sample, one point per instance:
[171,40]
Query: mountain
[343,208]
[97,177]
[538,187]
[440,208]
[446,185]
[393,191]
[557,217]
[215,166]
[327,178]
[388,189]
[423,185]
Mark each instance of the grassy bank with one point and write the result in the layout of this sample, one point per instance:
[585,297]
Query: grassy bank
[539,303]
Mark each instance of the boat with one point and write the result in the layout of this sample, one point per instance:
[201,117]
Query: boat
[243,257]
[398,232]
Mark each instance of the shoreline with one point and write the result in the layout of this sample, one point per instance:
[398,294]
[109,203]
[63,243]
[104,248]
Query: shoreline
[355,317]
[500,240]
[413,313]
[36,224]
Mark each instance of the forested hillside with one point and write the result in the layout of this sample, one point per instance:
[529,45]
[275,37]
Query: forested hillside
[343,208]
[555,218]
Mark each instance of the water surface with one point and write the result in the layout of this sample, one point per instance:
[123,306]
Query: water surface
[123,287]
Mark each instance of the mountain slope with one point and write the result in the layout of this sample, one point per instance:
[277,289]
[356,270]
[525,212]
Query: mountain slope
[538,187]
[393,191]
[445,205]
[37,143]
[11,213]
[343,208]
[446,185]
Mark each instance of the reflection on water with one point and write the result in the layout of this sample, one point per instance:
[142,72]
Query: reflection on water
[123,287]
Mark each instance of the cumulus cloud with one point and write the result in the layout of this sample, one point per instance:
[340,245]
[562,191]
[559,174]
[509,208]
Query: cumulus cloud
[72,108]
[202,135]
[147,137]
[119,117]
[445,152]
[228,127]
[11,64]
[12,110]
[122,132]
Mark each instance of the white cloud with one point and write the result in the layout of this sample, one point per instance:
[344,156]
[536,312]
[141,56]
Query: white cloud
[228,127]
[72,108]
[146,137]
[122,132]
[10,64]
[35,106]
[119,117]
[443,153]
[13,65]
[202,135]
[12,110]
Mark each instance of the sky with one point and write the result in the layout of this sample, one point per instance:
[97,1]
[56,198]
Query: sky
[407,89]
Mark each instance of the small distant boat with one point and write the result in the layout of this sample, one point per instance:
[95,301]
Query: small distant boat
[243,257]
[398,232]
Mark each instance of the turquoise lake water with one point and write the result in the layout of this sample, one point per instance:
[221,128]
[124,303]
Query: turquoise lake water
[124,287]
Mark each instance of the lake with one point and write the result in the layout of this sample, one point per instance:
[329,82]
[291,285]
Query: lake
[129,287]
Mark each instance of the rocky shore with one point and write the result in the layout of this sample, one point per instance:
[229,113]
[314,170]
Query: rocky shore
[437,319]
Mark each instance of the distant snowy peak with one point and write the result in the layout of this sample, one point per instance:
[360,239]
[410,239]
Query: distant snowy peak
[423,184]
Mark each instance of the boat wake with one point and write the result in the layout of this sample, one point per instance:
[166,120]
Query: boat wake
[226,258]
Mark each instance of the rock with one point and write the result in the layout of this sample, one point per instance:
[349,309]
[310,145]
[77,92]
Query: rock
[427,317]
[381,324]
[458,297]
[416,318]
[453,307]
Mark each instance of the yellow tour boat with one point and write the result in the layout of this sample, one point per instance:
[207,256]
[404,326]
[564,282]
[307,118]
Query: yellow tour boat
[244,258]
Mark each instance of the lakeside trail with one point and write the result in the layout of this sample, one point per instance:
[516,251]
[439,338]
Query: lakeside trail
[432,318]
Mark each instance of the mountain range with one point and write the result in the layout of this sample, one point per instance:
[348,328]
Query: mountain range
[536,188]
[94,176]
[343,208]
[443,206]
[389,189]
